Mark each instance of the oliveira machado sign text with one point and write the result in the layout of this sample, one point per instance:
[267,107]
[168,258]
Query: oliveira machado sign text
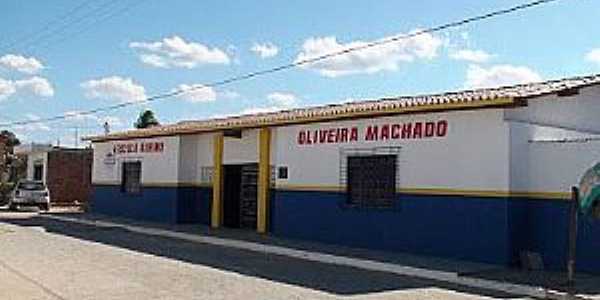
[380,132]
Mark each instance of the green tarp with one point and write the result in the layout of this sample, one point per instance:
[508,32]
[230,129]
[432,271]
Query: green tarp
[589,191]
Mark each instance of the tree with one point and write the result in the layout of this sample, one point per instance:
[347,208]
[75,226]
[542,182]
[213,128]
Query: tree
[146,119]
[11,138]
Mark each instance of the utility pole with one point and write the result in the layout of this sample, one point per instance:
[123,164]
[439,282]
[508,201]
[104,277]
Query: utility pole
[76,137]
[572,251]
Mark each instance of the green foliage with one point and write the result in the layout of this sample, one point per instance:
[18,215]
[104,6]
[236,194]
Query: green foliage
[146,119]
[11,137]
[5,189]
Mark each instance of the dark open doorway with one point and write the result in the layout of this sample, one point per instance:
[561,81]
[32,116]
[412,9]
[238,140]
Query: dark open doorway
[240,195]
[38,172]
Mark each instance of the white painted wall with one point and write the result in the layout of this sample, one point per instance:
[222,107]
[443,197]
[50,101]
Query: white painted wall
[156,167]
[34,158]
[483,150]
[553,166]
[578,112]
[240,151]
[548,166]
[474,155]
[196,155]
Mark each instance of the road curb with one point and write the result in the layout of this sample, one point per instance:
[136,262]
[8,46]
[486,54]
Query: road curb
[365,264]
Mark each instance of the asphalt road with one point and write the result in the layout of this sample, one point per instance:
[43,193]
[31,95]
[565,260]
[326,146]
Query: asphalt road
[42,258]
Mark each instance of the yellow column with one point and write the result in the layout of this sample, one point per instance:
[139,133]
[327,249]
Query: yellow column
[217,201]
[264,179]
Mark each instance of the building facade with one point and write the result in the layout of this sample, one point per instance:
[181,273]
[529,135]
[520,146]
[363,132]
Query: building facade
[66,171]
[476,175]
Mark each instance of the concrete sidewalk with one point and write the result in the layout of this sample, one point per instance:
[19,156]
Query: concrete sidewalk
[468,274]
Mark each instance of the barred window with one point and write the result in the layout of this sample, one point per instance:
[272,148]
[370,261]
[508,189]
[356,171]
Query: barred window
[131,177]
[371,181]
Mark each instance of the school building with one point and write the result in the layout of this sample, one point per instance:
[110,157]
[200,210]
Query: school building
[479,175]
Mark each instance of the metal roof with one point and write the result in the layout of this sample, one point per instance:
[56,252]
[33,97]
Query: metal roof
[467,99]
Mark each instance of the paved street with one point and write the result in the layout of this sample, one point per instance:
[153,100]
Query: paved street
[48,259]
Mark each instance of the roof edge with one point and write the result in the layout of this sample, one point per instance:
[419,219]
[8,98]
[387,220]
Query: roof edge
[426,108]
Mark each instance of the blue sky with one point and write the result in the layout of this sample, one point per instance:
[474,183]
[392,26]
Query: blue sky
[50,66]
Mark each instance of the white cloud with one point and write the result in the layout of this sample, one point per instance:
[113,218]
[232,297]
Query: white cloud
[277,101]
[499,75]
[28,65]
[32,127]
[386,57]
[74,115]
[114,87]
[37,86]
[283,100]
[229,95]
[593,56]
[197,93]
[265,50]
[7,88]
[259,110]
[475,56]
[176,52]
[77,116]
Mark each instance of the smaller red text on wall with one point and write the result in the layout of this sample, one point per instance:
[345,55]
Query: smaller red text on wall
[141,147]
[379,132]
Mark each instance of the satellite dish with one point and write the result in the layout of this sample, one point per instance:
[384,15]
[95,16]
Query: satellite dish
[589,192]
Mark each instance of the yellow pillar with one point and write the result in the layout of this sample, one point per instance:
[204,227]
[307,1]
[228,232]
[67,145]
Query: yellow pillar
[217,201]
[264,179]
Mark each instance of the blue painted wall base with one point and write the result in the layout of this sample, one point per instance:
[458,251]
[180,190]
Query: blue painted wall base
[488,230]
[158,204]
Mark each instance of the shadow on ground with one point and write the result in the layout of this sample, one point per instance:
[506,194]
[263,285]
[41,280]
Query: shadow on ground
[340,280]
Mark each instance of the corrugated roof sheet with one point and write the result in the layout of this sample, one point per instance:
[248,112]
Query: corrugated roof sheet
[468,99]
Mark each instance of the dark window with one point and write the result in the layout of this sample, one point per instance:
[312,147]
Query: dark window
[371,181]
[38,172]
[131,177]
[282,173]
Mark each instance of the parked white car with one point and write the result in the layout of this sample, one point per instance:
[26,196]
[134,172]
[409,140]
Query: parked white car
[30,193]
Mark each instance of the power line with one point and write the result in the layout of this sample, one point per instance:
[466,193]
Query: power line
[280,68]
[106,6]
[29,35]
[103,18]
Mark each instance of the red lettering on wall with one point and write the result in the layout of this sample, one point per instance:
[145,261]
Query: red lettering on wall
[442,128]
[144,147]
[301,137]
[344,135]
[354,134]
[371,134]
[385,132]
[331,136]
[418,130]
[379,132]
[429,129]
[396,131]
[406,130]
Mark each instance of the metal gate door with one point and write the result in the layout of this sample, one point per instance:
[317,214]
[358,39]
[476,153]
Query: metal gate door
[248,196]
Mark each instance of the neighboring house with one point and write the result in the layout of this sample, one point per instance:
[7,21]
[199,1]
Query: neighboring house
[4,173]
[66,171]
[479,175]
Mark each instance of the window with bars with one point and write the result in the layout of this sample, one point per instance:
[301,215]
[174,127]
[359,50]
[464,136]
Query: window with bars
[371,181]
[131,177]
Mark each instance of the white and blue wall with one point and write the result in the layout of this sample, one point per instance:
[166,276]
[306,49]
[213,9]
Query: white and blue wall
[484,191]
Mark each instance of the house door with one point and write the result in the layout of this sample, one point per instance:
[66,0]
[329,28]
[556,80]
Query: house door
[38,172]
[240,196]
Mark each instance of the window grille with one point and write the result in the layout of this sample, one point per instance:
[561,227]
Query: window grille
[131,177]
[370,176]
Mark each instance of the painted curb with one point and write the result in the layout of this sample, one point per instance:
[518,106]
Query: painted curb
[365,264]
